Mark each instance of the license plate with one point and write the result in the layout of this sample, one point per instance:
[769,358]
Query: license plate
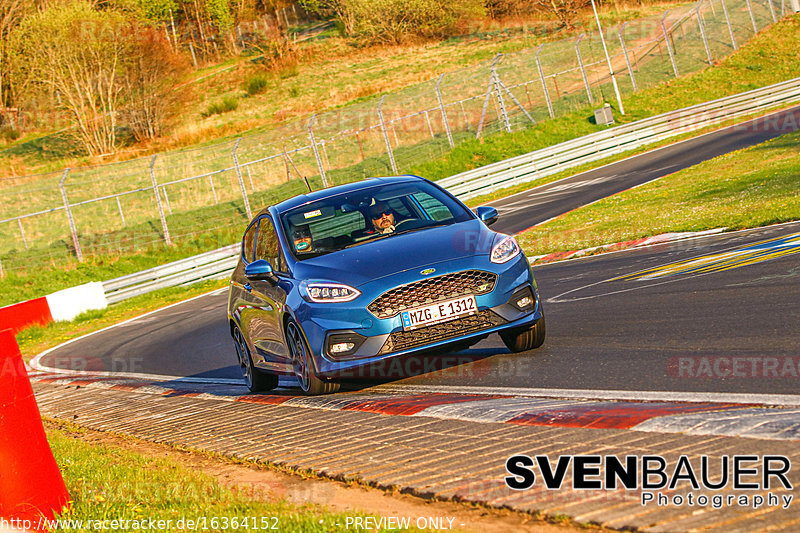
[439,312]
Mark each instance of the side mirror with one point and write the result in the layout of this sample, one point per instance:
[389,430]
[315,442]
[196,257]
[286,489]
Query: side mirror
[259,270]
[487,214]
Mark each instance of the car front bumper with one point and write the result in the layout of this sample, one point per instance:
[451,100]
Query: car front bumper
[378,339]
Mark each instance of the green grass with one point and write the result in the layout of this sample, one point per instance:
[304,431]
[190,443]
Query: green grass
[109,483]
[754,187]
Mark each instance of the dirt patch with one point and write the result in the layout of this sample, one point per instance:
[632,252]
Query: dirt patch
[263,482]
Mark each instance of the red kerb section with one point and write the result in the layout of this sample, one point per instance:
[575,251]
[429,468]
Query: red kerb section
[411,405]
[615,415]
[19,316]
[264,399]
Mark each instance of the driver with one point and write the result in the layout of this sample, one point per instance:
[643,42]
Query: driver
[302,239]
[382,217]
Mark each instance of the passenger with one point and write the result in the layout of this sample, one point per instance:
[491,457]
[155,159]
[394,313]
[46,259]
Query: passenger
[302,239]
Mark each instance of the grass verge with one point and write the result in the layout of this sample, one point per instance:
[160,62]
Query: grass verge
[753,187]
[35,339]
[108,483]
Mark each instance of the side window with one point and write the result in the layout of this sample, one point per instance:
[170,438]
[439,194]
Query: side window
[267,244]
[248,242]
[436,209]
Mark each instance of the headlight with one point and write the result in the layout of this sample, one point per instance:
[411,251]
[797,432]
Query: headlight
[505,250]
[327,292]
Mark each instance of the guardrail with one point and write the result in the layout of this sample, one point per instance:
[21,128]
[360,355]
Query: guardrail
[216,264]
[596,146]
[521,169]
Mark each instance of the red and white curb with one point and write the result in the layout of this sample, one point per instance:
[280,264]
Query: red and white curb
[62,305]
[693,418]
[623,245]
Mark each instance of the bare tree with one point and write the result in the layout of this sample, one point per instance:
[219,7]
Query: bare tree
[77,52]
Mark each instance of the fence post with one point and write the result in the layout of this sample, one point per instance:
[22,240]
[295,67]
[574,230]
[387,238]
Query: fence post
[73,230]
[501,104]
[444,112]
[166,199]
[627,59]
[22,232]
[167,238]
[213,190]
[121,214]
[669,46]
[772,11]
[316,151]
[544,83]
[752,17]
[583,68]
[241,179]
[728,21]
[430,127]
[386,136]
[703,32]
[489,90]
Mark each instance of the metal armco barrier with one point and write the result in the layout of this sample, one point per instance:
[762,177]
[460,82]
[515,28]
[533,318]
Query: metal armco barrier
[616,140]
[521,169]
[210,265]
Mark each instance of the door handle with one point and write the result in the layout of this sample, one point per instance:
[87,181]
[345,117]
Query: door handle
[248,287]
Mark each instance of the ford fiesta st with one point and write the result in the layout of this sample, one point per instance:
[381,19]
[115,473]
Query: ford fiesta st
[355,274]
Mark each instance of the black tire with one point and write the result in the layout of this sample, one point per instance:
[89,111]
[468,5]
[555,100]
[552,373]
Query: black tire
[303,364]
[527,339]
[255,379]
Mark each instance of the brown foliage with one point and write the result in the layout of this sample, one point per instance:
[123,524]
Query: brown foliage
[150,79]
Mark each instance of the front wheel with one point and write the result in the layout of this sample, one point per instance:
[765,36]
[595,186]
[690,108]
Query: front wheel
[303,364]
[527,339]
[255,379]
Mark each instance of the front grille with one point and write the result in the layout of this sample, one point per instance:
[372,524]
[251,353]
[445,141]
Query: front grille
[403,340]
[432,290]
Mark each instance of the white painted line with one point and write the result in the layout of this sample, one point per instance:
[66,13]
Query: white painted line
[699,235]
[36,364]
[789,400]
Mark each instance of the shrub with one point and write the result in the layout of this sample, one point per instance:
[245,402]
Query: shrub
[256,84]
[9,133]
[395,21]
[229,103]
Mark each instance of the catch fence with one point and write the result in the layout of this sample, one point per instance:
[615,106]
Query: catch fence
[208,192]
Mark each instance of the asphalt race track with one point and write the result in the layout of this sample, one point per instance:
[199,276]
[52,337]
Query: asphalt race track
[630,320]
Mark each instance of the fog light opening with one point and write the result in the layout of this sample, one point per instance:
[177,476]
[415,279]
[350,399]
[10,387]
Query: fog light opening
[523,299]
[524,302]
[342,347]
[344,344]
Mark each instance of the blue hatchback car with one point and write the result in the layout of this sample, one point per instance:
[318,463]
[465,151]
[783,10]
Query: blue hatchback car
[352,275]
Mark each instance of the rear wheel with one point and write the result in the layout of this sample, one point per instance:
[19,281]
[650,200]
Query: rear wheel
[303,363]
[255,379]
[526,339]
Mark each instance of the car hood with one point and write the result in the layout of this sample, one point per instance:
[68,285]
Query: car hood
[417,249]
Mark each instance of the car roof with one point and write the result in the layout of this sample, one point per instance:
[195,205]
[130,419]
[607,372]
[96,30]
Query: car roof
[339,189]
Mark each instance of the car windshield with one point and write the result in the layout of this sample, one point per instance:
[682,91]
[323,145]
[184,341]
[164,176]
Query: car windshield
[359,217]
